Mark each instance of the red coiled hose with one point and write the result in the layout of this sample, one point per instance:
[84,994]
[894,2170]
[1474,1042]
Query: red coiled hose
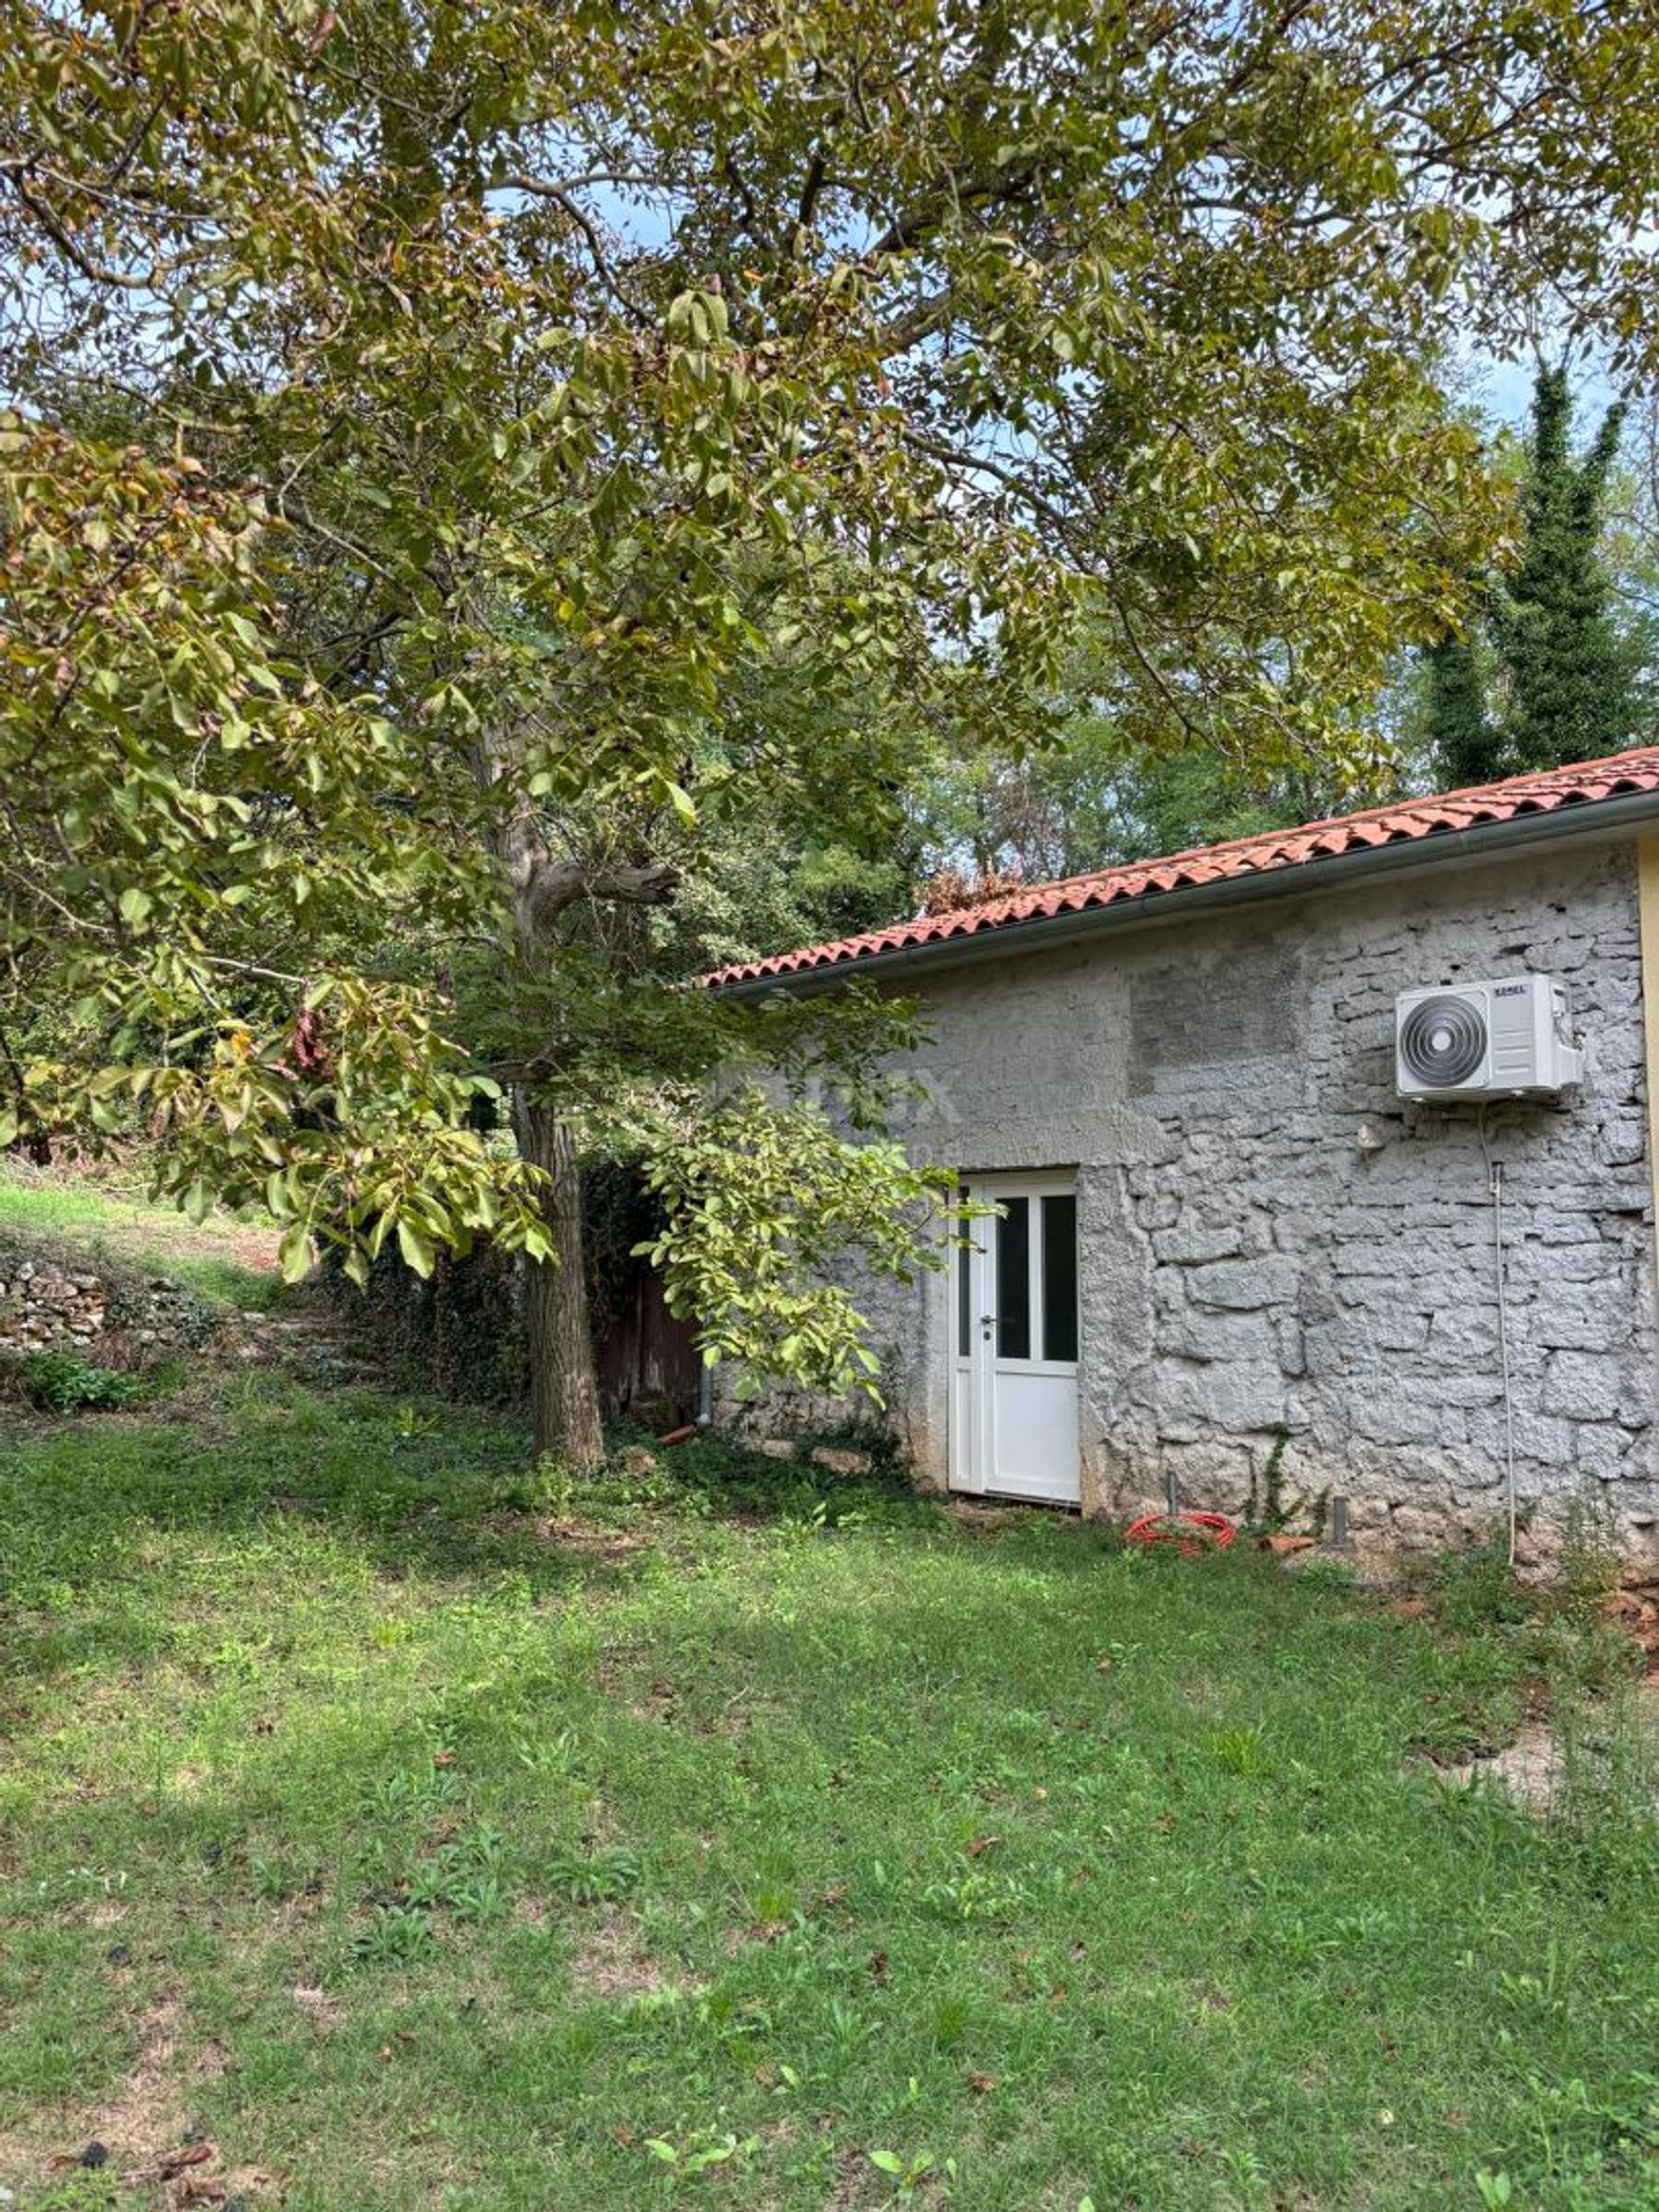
[1190,1533]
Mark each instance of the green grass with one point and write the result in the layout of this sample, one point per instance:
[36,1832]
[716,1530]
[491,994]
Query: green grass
[425,1835]
[426,1839]
[225,1260]
[420,1833]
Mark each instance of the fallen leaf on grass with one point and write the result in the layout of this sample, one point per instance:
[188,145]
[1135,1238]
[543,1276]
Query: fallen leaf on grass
[982,2084]
[980,1845]
[174,2163]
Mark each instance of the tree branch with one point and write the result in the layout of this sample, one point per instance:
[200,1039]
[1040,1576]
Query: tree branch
[550,887]
[539,189]
[90,270]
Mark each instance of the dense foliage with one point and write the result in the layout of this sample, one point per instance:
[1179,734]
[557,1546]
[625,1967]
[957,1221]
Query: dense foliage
[1096,796]
[1574,689]
[1553,669]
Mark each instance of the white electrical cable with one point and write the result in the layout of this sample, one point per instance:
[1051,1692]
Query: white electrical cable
[1495,1184]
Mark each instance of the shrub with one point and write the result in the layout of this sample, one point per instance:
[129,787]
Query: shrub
[64,1383]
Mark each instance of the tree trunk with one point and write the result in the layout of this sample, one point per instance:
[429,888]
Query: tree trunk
[563,1375]
[563,1382]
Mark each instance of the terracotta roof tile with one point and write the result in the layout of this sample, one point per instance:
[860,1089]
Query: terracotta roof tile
[1583,783]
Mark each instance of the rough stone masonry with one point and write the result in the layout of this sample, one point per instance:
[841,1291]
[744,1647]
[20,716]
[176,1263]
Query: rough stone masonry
[1272,1241]
[47,1306]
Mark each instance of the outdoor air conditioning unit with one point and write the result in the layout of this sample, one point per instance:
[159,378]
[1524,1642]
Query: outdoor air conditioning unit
[1504,1040]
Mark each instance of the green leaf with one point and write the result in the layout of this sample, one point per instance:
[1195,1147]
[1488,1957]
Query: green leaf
[293,1254]
[417,1249]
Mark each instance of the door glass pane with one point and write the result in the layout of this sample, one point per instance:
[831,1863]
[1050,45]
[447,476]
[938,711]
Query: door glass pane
[964,1292]
[1013,1280]
[1060,1278]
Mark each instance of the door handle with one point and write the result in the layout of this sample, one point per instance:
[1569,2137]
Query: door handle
[987,1323]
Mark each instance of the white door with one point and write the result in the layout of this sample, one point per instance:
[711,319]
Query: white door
[1013,1352]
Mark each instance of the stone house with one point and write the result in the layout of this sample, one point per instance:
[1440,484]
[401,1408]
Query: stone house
[1225,1233]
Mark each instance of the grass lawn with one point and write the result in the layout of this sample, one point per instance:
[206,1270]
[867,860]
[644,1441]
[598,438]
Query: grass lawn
[226,1261]
[415,1837]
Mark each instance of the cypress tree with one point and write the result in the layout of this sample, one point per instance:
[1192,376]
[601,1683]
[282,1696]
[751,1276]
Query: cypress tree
[1467,746]
[1572,679]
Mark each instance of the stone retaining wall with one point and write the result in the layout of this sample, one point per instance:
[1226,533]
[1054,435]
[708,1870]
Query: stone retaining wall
[50,1304]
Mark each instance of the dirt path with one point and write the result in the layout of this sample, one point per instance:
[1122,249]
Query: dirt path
[1544,1767]
[308,1340]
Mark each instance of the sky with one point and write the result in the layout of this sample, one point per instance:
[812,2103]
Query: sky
[1505,390]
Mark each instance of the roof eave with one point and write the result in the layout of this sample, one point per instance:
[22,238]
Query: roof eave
[1581,820]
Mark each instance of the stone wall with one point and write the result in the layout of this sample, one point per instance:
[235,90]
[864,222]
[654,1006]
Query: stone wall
[1272,1240]
[49,1303]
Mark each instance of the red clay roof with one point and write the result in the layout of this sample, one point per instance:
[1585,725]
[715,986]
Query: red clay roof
[1583,783]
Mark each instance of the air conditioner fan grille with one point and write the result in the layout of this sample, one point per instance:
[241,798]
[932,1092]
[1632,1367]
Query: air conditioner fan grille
[1443,1042]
